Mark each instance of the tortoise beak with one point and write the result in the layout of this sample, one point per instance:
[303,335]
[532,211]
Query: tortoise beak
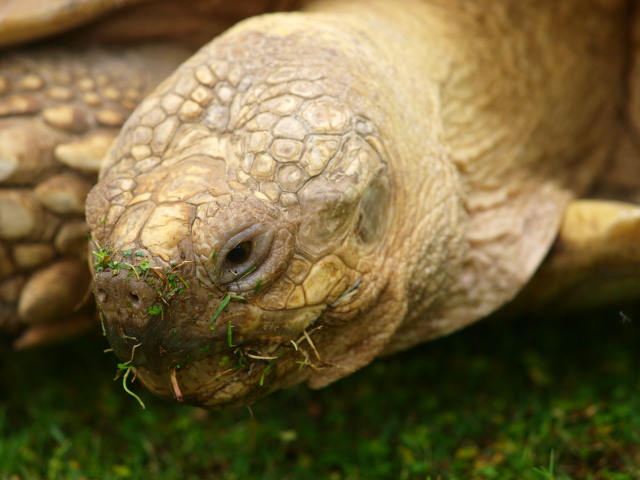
[176,350]
[146,332]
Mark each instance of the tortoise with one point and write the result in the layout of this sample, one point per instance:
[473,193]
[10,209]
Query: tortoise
[314,189]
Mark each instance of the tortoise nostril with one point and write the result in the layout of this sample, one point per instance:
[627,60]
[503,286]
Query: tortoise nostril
[101,295]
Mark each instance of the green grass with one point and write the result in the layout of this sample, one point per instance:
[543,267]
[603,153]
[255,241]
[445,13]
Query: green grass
[501,400]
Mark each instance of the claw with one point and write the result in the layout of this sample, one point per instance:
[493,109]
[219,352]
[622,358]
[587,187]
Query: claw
[85,154]
[54,291]
[25,151]
[46,333]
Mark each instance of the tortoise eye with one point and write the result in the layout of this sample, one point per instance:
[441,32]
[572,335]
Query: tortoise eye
[239,254]
[244,253]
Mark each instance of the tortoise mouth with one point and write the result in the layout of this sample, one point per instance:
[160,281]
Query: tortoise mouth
[146,330]
[216,371]
[212,350]
[218,381]
[182,364]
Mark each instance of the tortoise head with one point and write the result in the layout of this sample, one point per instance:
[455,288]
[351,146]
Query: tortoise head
[241,221]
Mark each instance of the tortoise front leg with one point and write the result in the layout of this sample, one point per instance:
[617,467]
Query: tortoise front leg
[594,262]
[59,112]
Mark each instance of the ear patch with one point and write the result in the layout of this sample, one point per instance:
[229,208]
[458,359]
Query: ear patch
[373,212]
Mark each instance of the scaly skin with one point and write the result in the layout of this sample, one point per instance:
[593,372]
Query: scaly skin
[312,190]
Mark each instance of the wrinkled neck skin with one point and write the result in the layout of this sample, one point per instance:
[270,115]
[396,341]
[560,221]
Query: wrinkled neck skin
[291,203]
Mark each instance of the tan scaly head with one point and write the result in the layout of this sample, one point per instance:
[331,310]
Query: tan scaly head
[244,213]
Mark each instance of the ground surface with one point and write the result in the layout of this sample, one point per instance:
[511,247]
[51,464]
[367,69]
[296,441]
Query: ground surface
[508,400]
